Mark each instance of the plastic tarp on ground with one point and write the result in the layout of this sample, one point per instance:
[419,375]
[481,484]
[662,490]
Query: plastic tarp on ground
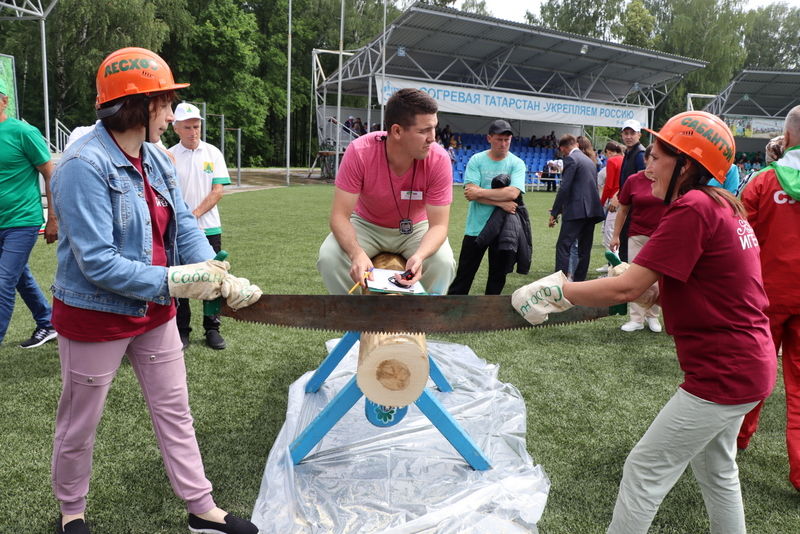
[406,478]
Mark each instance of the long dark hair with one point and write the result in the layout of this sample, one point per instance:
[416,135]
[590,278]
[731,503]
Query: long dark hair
[586,147]
[698,177]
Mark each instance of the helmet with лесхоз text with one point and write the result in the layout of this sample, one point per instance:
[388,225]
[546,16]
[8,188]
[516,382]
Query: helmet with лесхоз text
[133,71]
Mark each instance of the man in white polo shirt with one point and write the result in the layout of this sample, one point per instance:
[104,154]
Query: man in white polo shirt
[202,173]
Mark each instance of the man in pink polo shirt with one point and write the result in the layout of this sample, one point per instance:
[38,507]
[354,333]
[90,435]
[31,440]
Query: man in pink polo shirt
[393,194]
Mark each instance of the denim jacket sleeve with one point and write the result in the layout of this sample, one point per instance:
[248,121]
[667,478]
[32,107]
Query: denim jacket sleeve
[98,213]
[192,244]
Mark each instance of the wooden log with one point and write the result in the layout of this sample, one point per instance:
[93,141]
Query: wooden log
[387,260]
[392,368]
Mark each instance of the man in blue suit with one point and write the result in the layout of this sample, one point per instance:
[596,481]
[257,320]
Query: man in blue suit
[579,204]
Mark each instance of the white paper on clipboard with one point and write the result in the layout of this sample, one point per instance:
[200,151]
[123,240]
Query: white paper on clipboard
[380,283]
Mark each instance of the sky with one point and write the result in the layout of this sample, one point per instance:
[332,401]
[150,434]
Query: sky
[515,11]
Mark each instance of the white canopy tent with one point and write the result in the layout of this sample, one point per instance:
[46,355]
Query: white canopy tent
[473,64]
[755,104]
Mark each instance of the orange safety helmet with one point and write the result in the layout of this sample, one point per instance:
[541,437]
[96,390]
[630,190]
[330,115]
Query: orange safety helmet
[703,137]
[133,71]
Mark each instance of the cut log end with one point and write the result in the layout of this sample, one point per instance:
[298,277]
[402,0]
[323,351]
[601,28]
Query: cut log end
[393,374]
[392,368]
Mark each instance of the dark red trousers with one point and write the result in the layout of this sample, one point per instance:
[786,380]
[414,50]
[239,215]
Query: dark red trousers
[785,332]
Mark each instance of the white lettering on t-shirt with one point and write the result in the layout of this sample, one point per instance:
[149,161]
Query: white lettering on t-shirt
[746,236]
[780,197]
[161,201]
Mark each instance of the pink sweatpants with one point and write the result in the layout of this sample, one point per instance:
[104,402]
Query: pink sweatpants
[87,370]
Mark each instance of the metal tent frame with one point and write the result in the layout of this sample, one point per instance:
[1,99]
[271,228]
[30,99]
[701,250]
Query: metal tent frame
[758,93]
[34,10]
[448,46]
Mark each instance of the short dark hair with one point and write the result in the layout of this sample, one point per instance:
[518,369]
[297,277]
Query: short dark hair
[613,146]
[132,113]
[403,107]
[567,140]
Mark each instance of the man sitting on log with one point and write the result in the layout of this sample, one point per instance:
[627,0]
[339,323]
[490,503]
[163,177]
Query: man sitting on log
[393,193]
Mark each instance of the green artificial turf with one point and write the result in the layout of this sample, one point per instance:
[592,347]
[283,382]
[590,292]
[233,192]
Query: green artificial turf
[590,391]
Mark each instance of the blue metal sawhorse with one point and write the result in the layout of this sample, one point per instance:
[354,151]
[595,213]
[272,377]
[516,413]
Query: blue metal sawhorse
[351,393]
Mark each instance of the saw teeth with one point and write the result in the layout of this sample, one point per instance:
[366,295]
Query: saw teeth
[333,331]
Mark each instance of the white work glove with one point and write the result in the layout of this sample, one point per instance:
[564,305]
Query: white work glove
[540,298]
[239,292]
[200,281]
[617,270]
[646,299]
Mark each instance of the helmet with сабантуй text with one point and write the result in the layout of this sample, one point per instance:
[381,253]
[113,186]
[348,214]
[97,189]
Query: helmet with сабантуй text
[702,136]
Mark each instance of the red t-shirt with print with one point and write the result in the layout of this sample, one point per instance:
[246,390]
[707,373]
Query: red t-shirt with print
[713,299]
[92,326]
[775,218]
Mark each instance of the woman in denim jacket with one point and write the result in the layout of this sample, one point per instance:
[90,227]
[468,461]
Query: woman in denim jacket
[127,246]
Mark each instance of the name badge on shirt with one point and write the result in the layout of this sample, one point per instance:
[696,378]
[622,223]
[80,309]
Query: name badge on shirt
[410,195]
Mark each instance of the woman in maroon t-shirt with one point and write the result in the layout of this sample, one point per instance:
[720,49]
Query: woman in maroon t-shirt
[636,199]
[705,257]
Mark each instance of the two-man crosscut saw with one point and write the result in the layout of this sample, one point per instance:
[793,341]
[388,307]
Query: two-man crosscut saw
[418,313]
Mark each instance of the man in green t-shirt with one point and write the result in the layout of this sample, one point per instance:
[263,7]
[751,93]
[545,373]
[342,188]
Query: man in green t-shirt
[23,155]
[482,168]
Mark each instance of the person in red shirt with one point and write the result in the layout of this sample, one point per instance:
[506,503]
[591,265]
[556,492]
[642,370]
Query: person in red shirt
[705,257]
[772,201]
[636,198]
[609,189]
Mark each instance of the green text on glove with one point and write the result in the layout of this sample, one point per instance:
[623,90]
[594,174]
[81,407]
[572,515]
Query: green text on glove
[188,278]
[542,295]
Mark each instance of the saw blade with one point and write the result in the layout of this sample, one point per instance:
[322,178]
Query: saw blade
[414,314]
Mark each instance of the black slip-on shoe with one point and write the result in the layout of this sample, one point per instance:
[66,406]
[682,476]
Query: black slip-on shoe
[233,525]
[76,526]
[215,340]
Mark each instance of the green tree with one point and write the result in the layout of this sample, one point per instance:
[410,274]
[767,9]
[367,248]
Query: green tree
[593,19]
[316,25]
[710,30]
[219,55]
[80,33]
[772,37]
[440,3]
[636,26]
[476,6]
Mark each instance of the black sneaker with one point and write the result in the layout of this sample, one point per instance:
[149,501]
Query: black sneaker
[233,524]
[40,337]
[215,340]
[76,526]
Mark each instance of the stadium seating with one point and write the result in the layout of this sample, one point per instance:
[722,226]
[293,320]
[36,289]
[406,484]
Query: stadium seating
[535,158]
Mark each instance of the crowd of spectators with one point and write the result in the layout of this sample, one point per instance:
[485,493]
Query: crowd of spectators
[748,162]
[545,141]
[355,125]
